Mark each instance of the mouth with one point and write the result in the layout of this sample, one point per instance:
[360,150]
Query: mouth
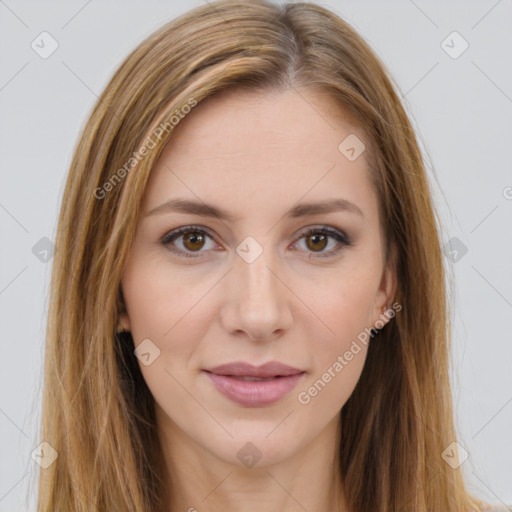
[251,378]
[253,386]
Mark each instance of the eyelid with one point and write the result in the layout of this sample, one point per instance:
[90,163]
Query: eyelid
[337,234]
[172,235]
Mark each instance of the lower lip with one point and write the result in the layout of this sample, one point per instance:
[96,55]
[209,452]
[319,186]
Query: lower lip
[255,393]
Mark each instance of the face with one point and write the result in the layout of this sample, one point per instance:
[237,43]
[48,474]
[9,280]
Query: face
[256,277]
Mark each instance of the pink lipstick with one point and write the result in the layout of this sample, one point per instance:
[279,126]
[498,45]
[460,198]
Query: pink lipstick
[254,386]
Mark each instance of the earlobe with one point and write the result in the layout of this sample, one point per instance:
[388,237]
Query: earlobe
[123,323]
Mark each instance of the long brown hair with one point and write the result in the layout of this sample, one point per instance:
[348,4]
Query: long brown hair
[97,411]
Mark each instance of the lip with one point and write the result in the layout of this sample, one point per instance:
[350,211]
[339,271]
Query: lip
[232,381]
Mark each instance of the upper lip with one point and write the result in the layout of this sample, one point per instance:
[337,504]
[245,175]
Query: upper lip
[241,368]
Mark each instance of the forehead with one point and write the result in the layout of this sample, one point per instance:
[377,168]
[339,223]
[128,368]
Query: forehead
[267,149]
[282,120]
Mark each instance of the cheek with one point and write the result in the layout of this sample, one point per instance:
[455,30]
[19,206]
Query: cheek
[345,308]
[169,309]
[334,376]
[341,340]
[157,299]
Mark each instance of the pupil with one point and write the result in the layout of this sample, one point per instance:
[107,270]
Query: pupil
[317,238]
[195,239]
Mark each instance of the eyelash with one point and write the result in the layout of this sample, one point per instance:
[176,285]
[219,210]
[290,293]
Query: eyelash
[339,236]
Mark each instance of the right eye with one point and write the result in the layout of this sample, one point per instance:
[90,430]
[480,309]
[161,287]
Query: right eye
[193,240]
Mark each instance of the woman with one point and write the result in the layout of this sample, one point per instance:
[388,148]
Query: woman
[248,307]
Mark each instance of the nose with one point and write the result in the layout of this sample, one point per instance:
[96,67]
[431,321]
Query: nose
[258,300]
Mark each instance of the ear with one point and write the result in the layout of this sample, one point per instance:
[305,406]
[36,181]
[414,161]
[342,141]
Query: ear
[123,323]
[386,292]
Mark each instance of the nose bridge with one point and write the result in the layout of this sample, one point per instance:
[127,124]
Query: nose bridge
[253,272]
[258,305]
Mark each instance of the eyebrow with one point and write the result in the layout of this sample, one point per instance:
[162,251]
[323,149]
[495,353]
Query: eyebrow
[301,210]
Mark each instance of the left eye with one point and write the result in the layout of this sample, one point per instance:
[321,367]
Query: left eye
[317,240]
[194,239]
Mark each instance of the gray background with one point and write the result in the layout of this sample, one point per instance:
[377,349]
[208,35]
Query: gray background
[462,108]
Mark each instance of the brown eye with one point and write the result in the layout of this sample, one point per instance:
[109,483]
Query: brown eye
[193,240]
[188,242]
[316,241]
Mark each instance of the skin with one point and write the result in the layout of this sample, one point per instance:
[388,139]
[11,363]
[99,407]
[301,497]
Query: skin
[255,155]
